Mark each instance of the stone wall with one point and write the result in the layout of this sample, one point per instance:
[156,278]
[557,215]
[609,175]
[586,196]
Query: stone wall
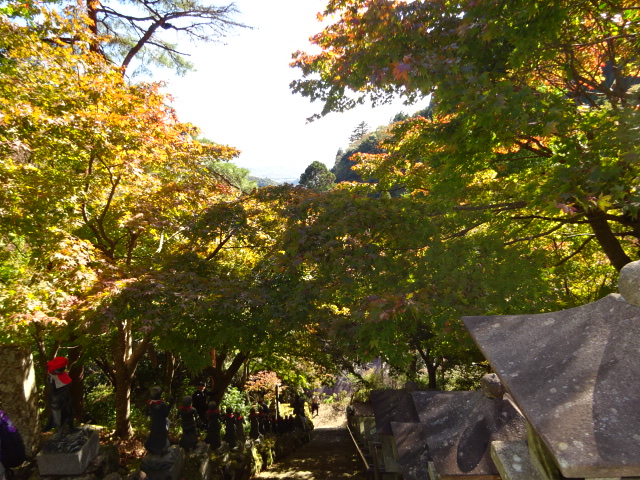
[18,394]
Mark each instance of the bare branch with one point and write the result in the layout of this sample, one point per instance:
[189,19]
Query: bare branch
[132,32]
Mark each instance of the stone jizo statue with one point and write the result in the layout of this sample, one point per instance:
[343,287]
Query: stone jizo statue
[59,382]
[189,417]
[158,410]
[240,435]
[254,422]
[230,428]
[213,426]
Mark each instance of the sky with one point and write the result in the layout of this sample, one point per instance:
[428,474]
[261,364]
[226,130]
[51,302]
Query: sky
[239,94]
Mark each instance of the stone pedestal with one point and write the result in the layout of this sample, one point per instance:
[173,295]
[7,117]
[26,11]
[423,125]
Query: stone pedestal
[197,465]
[18,394]
[459,428]
[412,456]
[574,376]
[52,461]
[167,466]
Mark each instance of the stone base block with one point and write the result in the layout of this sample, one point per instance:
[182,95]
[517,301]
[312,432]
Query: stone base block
[75,463]
[198,464]
[164,467]
[513,461]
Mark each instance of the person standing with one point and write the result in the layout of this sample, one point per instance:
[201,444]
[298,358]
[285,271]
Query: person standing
[199,399]
[12,450]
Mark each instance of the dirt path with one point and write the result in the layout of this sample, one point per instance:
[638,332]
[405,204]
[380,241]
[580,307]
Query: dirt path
[331,415]
[329,455]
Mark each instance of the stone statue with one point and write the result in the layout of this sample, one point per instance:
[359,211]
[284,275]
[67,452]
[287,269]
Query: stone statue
[158,410]
[230,428]
[61,414]
[189,417]
[240,435]
[492,386]
[254,422]
[298,411]
[213,426]
[263,410]
[275,425]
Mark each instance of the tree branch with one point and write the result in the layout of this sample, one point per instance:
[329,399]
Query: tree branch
[532,237]
[138,351]
[103,214]
[499,206]
[572,221]
[106,369]
[576,252]
[219,247]
[462,233]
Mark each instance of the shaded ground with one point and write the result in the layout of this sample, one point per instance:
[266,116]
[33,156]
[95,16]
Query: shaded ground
[329,455]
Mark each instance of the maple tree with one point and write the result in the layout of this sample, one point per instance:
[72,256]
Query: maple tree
[99,178]
[521,174]
[388,277]
[369,143]
[263,385]
[219,300]
[534,107]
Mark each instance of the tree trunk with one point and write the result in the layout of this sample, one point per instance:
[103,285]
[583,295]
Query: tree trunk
[92,13]
[126,358]
[169,370]
[245,375]
[43,358]
[432,368]
[123,404]
[607,240]
[19,395]
[76,372]
[222,378]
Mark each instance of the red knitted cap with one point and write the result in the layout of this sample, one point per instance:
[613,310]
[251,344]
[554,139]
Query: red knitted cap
[56,363]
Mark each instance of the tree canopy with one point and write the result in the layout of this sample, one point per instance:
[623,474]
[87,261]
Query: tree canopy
[359,132]
[317,177]
[124,233]
[145,30]
[99,178]
[534,106]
